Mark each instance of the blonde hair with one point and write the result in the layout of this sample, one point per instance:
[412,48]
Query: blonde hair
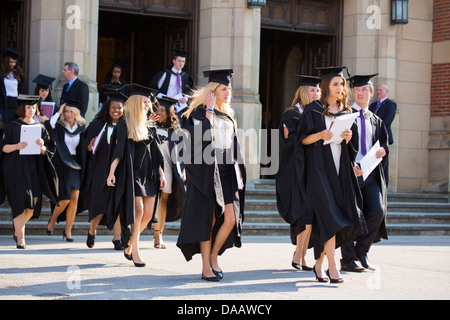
[136,118]
[199,96]
[79,120]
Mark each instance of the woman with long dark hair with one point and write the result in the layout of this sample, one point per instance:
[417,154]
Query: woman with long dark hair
[331,185]
[12,84]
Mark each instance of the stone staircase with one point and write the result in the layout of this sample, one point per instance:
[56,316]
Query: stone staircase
[408,214]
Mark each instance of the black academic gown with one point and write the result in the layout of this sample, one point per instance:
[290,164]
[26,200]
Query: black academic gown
[96,170]
[380,133]
[21,171]
[121,197]
[63,158]
[8,111]
[177,198]
[334,200]
[204,191]
[290,184]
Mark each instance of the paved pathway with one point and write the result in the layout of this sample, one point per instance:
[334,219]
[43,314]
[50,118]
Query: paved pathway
[408,268]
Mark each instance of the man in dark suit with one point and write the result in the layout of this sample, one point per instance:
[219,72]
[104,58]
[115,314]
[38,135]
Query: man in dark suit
[373,187]
[385,109]
[74,89]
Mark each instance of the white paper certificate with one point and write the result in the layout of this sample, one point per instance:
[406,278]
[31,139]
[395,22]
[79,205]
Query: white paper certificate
[339,125]
[370,161]
[30,134]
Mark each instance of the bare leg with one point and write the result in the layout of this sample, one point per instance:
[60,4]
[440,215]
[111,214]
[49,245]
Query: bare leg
[94,224]
[330,250]
[19,225]
[205,249]
[159,226]
[302,246]
[222,235]
[56,213]
[71,212]
[117,230]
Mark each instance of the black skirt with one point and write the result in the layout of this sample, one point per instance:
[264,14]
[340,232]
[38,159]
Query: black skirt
[69,179]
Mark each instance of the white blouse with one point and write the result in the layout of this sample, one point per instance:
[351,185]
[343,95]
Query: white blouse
[335,147]
[71,142]
[11,86]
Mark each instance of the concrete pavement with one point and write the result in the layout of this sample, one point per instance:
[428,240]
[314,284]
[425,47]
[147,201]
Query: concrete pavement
[408,268]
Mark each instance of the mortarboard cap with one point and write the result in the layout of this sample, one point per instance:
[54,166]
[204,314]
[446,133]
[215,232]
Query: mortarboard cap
[116,96]
[44,81]
[120,64]
[137,89]
[335,71]
[361,80]
[220,76]
[180,53]
[13,53]
[73,103]
[28,99]
[308,80]
[167,102]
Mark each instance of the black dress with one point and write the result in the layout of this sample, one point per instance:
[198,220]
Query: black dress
[334,199]
[290,184]
[204,191]
[96,170]
[67,166]
[136,175]
[26,177]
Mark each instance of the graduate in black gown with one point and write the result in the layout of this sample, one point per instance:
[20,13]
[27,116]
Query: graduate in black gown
[173,196]
[373,187]
[27,177]
[136,171]
[288,185]
[96,152]
[115,81]
[333,194]
[175,83]
[67,128]
[12,84]
[214,211]
[44,91]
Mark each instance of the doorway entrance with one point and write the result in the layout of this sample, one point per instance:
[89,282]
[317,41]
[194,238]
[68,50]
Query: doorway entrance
[143,42]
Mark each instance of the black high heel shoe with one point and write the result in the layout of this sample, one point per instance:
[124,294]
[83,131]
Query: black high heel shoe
[317,277]
[48,231]
[117,245]
[339,280]
[127,256]
[19,246]
[137,264]
[65,237]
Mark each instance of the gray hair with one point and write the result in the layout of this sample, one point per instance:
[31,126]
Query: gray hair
[73,66]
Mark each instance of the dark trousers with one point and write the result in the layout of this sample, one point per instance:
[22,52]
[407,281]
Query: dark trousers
[373,213]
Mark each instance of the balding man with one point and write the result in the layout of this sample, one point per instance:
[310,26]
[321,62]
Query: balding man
[385,109]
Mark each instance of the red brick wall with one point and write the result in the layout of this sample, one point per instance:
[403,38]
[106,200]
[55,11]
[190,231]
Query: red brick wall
[440,77]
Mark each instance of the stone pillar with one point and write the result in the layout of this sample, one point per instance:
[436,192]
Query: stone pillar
[63,31]
[401,54]
[229,37]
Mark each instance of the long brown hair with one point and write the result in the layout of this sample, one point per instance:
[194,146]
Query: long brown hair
[325,89]
[5,70]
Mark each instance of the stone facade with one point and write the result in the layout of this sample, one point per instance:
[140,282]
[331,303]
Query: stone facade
[411,60]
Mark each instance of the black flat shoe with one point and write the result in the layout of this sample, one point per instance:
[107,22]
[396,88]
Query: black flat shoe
[65,237]
[317,277]
[90,242]
[339,280]
[213,279]
[365,263]
[351,266]
[219,274]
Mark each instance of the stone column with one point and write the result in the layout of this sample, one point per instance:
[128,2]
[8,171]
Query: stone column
[229,37]
[63,31]
[401,54]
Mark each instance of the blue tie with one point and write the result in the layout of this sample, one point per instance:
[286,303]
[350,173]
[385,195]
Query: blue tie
[363,132]
[377,107]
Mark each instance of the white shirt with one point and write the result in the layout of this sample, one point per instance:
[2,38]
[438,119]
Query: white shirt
[71,142]
[369,130]
[11,86]
[172,90]
[223,131]
[335,147]
[299,108]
